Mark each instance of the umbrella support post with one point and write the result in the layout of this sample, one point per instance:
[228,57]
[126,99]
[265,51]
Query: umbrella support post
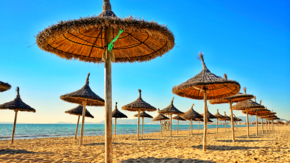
[257,124]
[177,125]
[262,126]
[225,126]
[115,125]
[108,96]
[205,120]
[138,127]
[14,125]
[190,127]
[248,134]
[170,125]
[142,125]
[217,125]
[77,127]
[83,122]
[232,121]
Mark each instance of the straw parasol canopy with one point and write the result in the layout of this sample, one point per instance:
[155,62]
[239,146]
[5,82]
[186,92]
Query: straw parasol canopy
[202,120]
[139,105]
[84,96]
[171,109]
[143,115]
[117,114]
[79,112]
[160,117]
[231,99]
[191,115]
[4,86]
[179,118]
[225,118]
[17,105]
[218,116]
[92,39]
[206,86]
[249,105]
[209,115]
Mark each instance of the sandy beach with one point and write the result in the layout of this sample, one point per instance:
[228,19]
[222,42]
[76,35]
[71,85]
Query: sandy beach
[182,147]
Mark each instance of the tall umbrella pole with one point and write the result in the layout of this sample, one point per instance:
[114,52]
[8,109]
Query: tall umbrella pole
[115,125]
[205,120]
[108,94]
[77,127]
[262,126]
[170,124]
[232,121]
[191,126]
[225,125]
[142,124]
[217,125]
[248,134]
[257,124]
[160,128]
[83,122]
[177,125]
[138,127]
[14,125]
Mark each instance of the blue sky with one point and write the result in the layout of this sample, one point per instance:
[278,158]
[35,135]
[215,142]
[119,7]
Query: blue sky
[247,40]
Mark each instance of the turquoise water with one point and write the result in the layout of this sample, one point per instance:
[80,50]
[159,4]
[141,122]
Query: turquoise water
[30,131]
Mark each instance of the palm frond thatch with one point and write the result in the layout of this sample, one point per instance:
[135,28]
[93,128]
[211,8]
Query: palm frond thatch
[234,98]
[117,114]
[143,114]
[79,111]
[171,109]
[160,117]
[191,114]
[178,117]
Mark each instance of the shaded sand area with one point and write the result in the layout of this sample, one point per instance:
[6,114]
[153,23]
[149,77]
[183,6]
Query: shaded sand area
[273,147]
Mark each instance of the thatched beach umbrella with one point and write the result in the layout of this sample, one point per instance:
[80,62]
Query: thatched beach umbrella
[143,115]
[206,86]
[225,118]
[248,105]
[84,96]
[4,86]
[201,120]
[191,115]
[218,116]
[232,99]
[92,39]
[171,109]
[17,105]
[139,105]
[117,114]
[160,117]
[257,113]
[236,119]
[178,118]
[79,112]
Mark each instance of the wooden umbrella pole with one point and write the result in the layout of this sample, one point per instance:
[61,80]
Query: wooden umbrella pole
[14,125]
[77,127]
[257,123]
[138,127]
[217,125]
[232,121]
[205,120]
[115,125]
[262,126]
[191,126]
[225,125]
[177,125]
[142,124]
[248,134]
[160,128]
[83,122]
[108,94]
[170,124]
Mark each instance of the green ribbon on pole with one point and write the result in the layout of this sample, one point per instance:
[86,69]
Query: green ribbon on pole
[111,44]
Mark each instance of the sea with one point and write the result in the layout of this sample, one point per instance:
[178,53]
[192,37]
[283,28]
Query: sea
[31,131]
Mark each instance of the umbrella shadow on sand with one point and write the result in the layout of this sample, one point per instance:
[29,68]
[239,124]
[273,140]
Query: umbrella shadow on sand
[91,144]
[163,160]
[18,151]
[251,136]
[230,141]
[224,147]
